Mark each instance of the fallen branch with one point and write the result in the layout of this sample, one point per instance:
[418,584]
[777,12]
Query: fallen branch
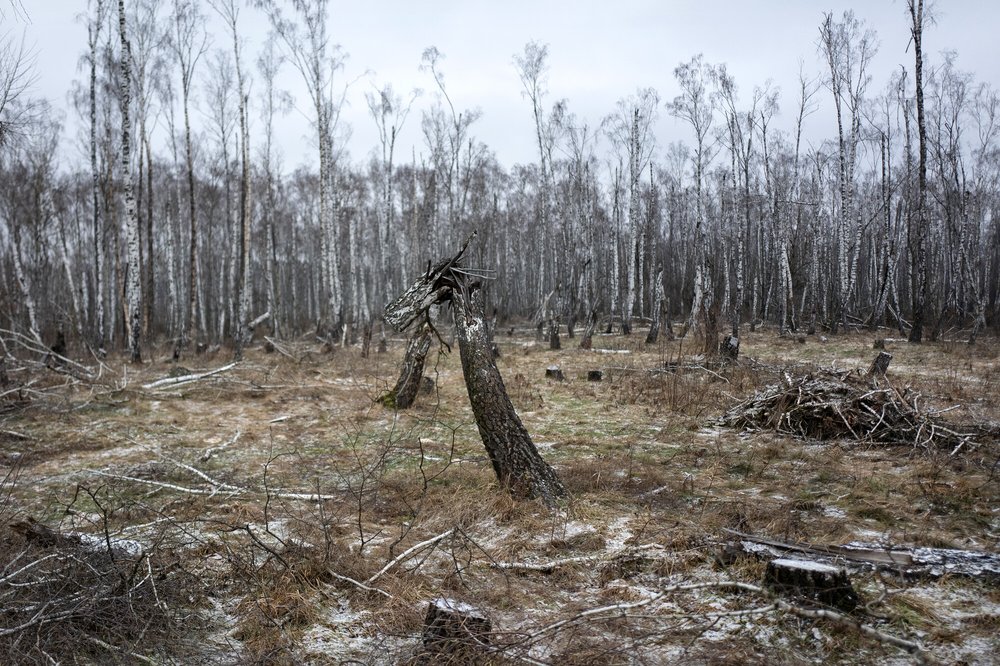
[552,565]
[177,381]
[409,551]
[280,349]
[830,405]
[620,610]
[359,584]
[235,490]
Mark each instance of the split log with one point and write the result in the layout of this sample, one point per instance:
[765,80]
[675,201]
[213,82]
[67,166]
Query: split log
[822,583]
[554,372]
[452,628]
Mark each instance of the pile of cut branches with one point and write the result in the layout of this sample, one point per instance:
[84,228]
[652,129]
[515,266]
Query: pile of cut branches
[843,405]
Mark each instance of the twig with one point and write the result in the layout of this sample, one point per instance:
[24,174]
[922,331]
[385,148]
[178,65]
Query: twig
[112,648]
[359,584]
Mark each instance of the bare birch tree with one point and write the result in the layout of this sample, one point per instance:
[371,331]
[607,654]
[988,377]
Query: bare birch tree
[189,41]
[848,48]
[133,285]
[696,106]
[317,59]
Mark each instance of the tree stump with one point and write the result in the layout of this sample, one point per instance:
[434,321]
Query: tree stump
[810,580]
[452,627]
[554,372]
[595,375]
[880,365]
[729,348]
[554,342]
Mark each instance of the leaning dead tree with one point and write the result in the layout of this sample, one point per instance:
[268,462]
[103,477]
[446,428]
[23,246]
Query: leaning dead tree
[517,463]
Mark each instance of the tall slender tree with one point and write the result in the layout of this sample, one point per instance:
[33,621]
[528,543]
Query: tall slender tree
[133,286]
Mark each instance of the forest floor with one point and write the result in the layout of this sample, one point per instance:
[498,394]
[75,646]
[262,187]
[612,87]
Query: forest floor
[268,513]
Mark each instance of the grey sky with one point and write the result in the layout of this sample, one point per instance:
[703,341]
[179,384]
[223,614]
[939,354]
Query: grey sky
[599,52]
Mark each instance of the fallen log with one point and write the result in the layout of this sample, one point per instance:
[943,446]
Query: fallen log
[185,379]
[910,562]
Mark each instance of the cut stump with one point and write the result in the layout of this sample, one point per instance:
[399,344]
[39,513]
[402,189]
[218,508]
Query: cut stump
[821,583]
[554,372]
[729,349]
[452,627]
[880,365]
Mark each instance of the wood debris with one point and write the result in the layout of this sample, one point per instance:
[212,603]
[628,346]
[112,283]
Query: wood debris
[828,405]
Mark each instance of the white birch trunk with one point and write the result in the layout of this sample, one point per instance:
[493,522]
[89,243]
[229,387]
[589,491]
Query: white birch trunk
[133,282]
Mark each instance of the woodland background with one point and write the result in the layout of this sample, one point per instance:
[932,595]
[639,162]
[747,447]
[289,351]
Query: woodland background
[172,220]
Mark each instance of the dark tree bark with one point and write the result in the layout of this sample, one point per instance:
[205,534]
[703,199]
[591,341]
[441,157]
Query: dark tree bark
[920,279]
[405,391]
[516,462]
[587,341]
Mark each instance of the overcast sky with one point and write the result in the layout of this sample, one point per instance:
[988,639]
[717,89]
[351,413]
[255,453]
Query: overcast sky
[599,52]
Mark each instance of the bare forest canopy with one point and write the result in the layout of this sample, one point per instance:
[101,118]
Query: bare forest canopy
[179,225]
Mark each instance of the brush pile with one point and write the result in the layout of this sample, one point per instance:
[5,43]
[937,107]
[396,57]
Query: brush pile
[828,405]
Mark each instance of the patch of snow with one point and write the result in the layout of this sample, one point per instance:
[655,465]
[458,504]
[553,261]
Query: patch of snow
[834,512]
[126,547]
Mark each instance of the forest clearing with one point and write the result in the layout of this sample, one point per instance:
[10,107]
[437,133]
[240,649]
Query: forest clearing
[276,512]
[673,340]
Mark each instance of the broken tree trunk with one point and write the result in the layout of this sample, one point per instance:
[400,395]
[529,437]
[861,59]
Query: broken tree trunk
[516,462]
[587,341]
[403,394]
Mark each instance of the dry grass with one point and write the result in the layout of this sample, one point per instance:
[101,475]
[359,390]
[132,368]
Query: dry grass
[213,477]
